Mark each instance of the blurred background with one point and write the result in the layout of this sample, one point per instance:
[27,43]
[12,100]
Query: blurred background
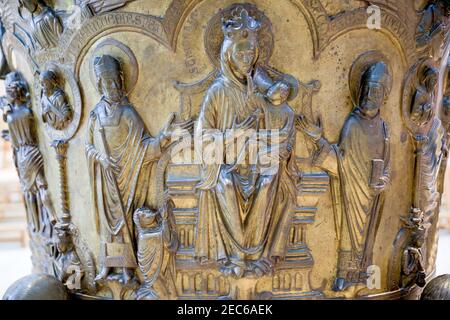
[15,255]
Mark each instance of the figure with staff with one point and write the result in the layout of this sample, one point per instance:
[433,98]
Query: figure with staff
[121,153]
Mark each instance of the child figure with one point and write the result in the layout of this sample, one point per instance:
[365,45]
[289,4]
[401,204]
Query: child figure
[277,158]
[279,121]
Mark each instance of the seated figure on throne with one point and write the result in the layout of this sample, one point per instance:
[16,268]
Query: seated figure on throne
[45,23]
[240,205]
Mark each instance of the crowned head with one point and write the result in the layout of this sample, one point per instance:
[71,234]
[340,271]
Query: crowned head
[240,26]
[241,40]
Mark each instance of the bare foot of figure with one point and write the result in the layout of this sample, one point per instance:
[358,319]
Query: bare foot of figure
[128,275]
[261,267]
[233,270]
[339,284]
[103,274]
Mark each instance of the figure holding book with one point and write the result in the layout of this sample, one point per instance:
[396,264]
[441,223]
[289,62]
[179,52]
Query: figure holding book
[121,154]
[359,166]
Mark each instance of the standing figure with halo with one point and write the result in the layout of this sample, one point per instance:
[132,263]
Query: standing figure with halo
[360,167]
[121,153]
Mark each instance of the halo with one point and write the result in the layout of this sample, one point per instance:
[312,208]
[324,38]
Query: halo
[69,84]
[214,36]
[361,64]
[122,53]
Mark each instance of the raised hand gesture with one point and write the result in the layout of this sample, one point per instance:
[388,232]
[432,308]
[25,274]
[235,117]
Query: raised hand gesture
[314,132]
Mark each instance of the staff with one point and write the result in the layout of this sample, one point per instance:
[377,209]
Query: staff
[117,190]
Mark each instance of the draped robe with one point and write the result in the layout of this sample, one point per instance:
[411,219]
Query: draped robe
[47,28]
[281,118]
[359,209]
[236,216]
[134,151]
[156,246]
[30,167]
[430,162]
[56,111]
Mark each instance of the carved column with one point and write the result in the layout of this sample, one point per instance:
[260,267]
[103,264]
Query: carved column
[61,147]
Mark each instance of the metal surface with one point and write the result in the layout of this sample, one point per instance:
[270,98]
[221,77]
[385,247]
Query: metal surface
[218,150]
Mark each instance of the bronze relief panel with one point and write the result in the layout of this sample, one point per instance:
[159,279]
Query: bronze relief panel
[247,151]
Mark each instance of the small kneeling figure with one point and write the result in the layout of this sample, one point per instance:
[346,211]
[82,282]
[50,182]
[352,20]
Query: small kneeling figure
[157,243]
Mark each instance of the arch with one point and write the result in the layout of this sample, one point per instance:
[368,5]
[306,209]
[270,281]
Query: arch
[392,28]
[76,48]
[179,10]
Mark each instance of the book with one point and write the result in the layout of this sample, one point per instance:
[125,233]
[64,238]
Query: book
[377,171]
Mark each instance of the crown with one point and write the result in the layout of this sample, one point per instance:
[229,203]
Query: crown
[241,25]
[106,63]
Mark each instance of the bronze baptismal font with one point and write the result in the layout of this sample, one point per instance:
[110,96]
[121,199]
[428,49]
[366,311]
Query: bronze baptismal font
[206,149]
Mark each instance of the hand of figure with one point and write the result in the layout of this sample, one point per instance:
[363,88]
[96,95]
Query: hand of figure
[185,125]
[285,151]
[381,185]
[3,103]
[109,165]
[165,130]
[250,83]
[247,124]
[255,100]
[420,140]
[178,128]
[314,132]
